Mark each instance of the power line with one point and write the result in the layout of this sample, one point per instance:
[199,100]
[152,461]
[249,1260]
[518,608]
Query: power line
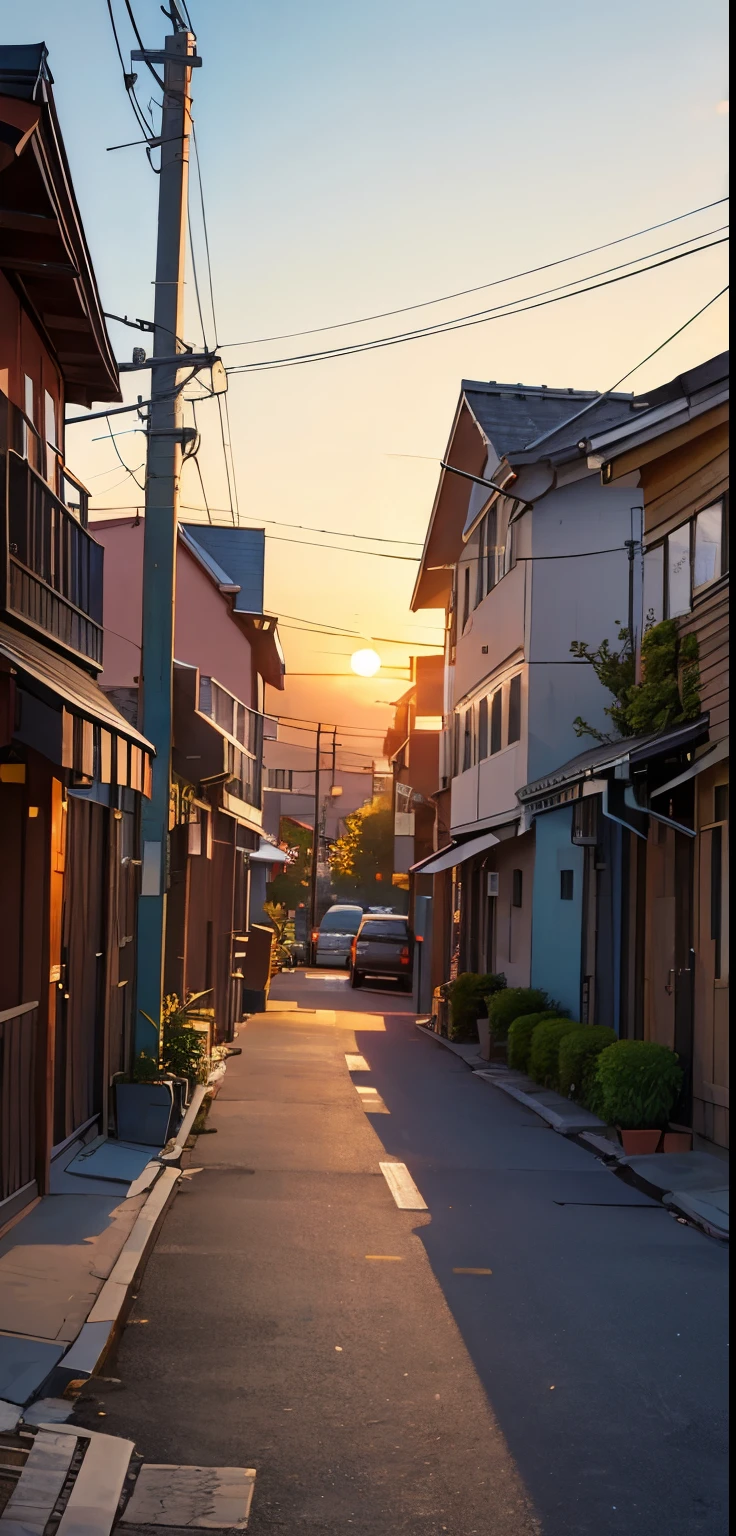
[142,45]
[596,401]
[462,323]
[125,466]
[462,293]
[338,533]
[128,79]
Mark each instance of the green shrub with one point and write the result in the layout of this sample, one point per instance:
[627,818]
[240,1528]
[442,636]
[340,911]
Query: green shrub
[639,1083]
[545,1049]
[520,1037]
[577,1059]
[468,999]
[512,1003]
[183,1053]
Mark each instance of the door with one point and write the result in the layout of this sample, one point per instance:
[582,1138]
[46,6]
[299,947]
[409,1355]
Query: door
[660,956]
[684,978]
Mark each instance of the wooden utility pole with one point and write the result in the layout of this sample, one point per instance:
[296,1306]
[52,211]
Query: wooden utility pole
[315,846]
[166,433]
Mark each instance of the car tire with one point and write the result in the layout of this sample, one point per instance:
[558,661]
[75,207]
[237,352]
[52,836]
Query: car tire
[356,980]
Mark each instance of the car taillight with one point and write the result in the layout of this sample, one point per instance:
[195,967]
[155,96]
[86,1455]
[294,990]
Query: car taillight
[315,935]
[404,955]
[353,948]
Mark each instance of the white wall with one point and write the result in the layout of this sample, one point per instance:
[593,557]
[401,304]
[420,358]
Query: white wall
[584,598]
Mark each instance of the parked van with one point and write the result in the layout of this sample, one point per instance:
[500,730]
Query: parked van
[336,933]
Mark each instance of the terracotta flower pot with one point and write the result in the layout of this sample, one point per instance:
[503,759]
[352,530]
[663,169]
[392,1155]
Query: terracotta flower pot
[677,1141]
[639,1143]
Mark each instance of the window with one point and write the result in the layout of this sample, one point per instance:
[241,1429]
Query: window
[28,408]
[653,586]
[482,729]
[585,821]
[678,572]
[514,725]
[456,746]
[280,778]
[517,884]
[496,708]
[468,740]
[491,526]
[479,588]
[720,802]
[466,596]
[707,564]
[567,881]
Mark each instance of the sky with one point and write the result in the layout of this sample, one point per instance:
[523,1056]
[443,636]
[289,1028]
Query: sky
[358,159]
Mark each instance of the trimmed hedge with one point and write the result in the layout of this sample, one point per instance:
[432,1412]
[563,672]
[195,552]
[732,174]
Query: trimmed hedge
[520,1037]
[577,1060]
[510,1004]
[639,1083]
[545,1049]
[467,996]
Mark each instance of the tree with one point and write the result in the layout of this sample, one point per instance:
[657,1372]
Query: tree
[290,888]
[669,691]
[361,860]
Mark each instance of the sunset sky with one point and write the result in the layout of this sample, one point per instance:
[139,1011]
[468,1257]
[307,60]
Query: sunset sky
[357,159]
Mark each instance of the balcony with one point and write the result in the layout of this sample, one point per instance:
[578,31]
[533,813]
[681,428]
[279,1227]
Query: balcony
[50,566]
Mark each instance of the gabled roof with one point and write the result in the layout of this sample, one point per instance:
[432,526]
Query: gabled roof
[235,560]
[516,423]
[512,416]
[43,250]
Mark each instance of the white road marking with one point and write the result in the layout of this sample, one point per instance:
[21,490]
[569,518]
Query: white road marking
[402,1187]
[356,1063]
[371,1100]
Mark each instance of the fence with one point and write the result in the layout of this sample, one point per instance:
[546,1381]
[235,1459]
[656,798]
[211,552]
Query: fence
[18,1032]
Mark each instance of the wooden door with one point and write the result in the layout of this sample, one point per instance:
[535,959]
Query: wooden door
[57,866]
[660,947]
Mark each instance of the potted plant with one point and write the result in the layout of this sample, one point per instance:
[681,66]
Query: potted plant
[145,1100]
[545,1050]
[639,1082]
[510,1003]
[521,1029]
[468,1016]
[144,1103]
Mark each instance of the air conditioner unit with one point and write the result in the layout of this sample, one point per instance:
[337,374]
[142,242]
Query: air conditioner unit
[493,882]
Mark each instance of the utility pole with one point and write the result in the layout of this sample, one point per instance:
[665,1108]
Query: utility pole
[166,434]
[315,846]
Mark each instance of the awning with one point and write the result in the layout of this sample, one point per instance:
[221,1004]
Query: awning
[268,853]
[709,759]
[67,683]
[457,853]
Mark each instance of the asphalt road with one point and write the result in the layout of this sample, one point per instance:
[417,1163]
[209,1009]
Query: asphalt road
[293,1319]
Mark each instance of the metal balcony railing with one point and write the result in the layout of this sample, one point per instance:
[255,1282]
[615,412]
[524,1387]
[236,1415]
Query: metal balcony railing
[243,729]
[18,1031]
[51,567]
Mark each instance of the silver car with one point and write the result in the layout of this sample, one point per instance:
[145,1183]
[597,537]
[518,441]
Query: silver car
[336,933]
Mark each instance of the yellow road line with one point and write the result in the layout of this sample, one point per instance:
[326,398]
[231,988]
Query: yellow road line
[472,1271]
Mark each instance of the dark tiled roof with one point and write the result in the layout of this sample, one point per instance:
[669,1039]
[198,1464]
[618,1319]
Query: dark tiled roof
[514,415]
[689,383]
[235,556]
[636,748]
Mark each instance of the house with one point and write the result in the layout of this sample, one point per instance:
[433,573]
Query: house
[226,649]
[412,748]
[675,980]
[526,552]
[72,767]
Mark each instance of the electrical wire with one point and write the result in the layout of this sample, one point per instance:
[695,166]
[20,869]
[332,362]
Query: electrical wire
[142,45]
[462,323]
[129,87]
[125,466]
[479,288]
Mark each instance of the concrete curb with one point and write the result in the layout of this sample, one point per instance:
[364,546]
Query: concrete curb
[588,1131]
[93,1342]
[467,1052]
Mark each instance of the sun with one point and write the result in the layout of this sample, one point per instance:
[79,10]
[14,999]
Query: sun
[366,663]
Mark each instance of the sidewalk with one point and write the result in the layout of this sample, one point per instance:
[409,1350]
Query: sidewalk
[68,1263]
[694,1185]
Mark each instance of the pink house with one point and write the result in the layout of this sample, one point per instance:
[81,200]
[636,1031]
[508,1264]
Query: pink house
[225,649]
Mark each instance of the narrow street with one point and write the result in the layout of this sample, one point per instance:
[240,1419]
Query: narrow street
[543,1348]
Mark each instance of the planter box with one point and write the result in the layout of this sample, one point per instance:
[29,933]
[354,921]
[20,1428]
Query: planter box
[639,1143]
[143,1112]
[677,1141]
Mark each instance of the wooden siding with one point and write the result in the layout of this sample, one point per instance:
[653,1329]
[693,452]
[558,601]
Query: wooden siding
[709,621]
